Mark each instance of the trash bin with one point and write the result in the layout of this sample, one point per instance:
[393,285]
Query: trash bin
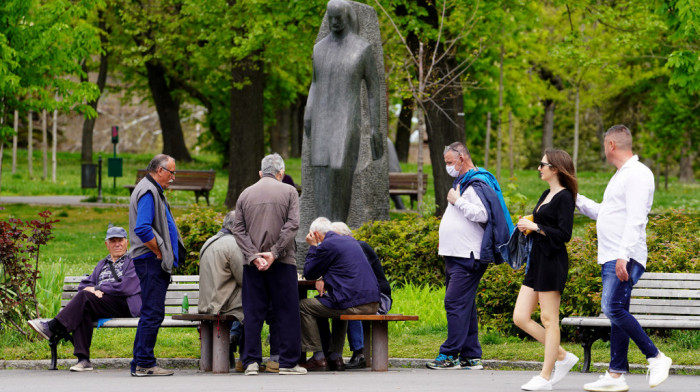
[88,175]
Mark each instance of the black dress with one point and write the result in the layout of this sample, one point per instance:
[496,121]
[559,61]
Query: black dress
[549,262]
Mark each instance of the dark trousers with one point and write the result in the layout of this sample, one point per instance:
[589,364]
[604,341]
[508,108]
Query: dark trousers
[154,285]
[276,286]
[83,310]
[462,280]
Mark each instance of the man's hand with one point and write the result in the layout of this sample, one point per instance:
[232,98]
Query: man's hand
[320,287]
[621,270]
[261,264]
[91,289]
[311,239]
[267,256]
[453,195]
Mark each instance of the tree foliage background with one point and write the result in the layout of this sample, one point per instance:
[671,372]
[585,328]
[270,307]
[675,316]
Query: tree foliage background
[549,73]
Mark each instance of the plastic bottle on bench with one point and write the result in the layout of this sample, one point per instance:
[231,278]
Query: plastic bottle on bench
[185,304]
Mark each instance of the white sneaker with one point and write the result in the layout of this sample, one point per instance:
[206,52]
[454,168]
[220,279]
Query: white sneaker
[293,371]
[562,368]
[537,383]
[252,369]
[607,383]
[658,369]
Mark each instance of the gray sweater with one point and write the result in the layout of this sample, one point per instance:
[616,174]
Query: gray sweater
[160,225]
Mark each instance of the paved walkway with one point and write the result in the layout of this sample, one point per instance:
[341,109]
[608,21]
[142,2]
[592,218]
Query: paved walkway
[357,380]
[57,201]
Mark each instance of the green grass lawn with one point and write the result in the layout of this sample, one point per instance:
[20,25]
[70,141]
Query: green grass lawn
[78,245]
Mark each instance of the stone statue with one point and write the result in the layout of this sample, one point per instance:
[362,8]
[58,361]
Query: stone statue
[344,165]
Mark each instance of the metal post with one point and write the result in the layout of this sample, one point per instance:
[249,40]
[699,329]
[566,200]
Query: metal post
[99,179]
[115,155]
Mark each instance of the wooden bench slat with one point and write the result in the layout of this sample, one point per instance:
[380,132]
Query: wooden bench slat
[666,293]
[668,284]
[650,309]
[378,317]
[664,302]
[670,276]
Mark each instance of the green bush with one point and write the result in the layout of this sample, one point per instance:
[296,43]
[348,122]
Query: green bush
[408,250]
[196,228]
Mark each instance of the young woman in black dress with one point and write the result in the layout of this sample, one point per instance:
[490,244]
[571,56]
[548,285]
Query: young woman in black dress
[549,265]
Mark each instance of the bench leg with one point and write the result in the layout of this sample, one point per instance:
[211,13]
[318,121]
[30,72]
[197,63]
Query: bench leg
[206,196]
[367,348]
[588,336]
[220,347]
[196,197]
[205,357]
[53,344]
[380,346]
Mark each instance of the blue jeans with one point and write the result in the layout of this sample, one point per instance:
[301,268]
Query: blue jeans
[462,277]
[356,336]
[154,284]
[623,326]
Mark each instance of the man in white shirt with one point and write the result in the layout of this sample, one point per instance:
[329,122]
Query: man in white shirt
[622,252]
[464,225]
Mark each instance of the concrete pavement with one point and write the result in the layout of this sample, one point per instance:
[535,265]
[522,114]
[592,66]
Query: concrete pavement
[403,379]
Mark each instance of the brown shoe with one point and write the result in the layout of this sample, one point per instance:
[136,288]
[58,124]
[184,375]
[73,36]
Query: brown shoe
[336,365]
[316,365]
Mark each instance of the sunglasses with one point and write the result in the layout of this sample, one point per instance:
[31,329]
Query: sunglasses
[543,164]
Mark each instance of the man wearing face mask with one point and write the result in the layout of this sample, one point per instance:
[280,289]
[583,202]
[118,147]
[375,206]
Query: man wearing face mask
[476,221]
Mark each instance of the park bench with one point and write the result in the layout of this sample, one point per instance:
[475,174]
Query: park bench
[659,301]
[406,184]
[179,286]
[199,181]
[376,337]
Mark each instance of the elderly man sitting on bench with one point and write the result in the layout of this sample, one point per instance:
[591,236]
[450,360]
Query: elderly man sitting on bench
[348,287]
[112,290]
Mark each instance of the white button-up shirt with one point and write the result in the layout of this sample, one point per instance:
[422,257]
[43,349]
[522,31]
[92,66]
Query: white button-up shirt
[461,229]
[622,216]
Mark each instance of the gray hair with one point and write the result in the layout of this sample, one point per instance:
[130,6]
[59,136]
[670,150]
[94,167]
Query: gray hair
[272,164]
[621,135]
[159,160]
[228,220]
[341,228]
[320,225]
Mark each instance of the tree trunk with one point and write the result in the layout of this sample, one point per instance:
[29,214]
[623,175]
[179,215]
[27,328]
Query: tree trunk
[403,130]
[30,143]
[14,143]
[296,124]
[687,158]
[548,124]
[576,122]
[487,144]
[44,145]
[443,130]
[510,144]
[247,126]
[168,108]
[89,123]
[500,116]
[279,133]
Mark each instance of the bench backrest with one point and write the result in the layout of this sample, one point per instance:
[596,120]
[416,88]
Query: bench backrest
[406,181]
[666,296]
[187,178]
[180,285]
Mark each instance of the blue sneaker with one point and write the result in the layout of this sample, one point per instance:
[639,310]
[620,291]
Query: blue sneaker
[471,363]
[443,362]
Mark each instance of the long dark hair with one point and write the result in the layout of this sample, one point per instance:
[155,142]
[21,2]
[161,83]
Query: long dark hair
[566,173]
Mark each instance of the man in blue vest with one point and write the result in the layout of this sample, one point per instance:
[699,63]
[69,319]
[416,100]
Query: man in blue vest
[156,250]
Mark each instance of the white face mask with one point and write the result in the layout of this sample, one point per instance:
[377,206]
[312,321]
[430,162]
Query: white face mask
[452,171]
